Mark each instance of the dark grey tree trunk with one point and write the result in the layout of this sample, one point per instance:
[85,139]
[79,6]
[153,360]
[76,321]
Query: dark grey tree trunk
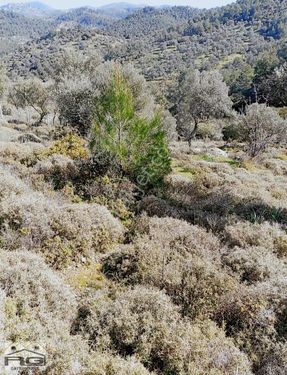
[193,133]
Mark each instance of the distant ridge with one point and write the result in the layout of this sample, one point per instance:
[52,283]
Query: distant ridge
[122,5]
[30,9]
[30,5]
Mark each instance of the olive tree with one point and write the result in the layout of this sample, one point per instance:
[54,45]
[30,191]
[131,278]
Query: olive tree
[273,89]
[32,93]
[202,96]
[75,99]
[264,127]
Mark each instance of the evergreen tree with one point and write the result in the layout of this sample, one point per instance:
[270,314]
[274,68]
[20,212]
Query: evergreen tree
[138,144]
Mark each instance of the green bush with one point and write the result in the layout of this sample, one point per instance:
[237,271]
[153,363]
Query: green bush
[139,144]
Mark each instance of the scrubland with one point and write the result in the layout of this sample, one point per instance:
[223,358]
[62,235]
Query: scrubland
[190,278]
[143,188]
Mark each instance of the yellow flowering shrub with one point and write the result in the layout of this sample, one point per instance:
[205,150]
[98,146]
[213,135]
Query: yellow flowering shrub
[70,145]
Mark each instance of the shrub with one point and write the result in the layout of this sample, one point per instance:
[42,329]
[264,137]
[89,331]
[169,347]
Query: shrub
[39,309]
[253,264]
[11,152]
[70,145]
[58,169]
[275,362]
[245,234]
[182,259]
[144,323]
[61,232]
[281,246]
[10,184]
[248,319]
[87,277]
[35,297]
[106,364]
[234,130]
[264,127]
[209,130]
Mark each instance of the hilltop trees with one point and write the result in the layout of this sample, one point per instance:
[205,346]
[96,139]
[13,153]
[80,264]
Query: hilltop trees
[202,96]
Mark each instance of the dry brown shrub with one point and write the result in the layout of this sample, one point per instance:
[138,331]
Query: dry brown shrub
[61,232]
[143,322]
[39,309]
[253,264]
[182,259]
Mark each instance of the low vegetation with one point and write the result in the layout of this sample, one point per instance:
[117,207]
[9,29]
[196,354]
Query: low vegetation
[143,222]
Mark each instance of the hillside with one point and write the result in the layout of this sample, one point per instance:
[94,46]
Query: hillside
[16,29]
[143,190]
[30,9]
[163,42]
[36,57]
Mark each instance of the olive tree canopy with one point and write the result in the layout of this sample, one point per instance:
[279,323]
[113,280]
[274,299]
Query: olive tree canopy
[202,96]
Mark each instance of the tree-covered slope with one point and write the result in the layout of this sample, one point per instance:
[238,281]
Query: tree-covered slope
[164,41]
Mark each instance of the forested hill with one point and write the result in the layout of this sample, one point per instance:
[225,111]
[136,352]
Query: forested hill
[266,16]
[149,20]
[30,9]
[13,24]
[162,42]
[16,28]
